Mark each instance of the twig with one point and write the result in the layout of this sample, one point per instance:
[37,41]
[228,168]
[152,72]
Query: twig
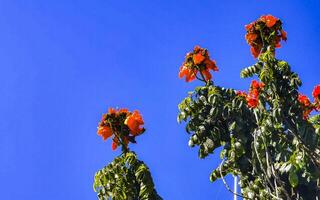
[225,183]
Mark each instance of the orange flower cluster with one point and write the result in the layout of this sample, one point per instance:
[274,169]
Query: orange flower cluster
[265,31]
[198,60]
[316,95]
[253,96]
[123,125]
[135,122]
[307,106]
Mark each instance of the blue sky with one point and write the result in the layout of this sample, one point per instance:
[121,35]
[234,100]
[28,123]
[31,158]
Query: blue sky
[63,63]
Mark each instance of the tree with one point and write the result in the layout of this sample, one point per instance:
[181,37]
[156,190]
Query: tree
[266,136]
[126,177]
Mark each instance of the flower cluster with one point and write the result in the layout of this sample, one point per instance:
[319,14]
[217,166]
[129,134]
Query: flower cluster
[264,32]
[252,97]
[316,96]
[197,61]
[122,125]
[306,104]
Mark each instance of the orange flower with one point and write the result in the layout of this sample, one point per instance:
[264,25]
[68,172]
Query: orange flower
[255,51]
[260,37]
[255,84]
[123,110]
[135,122]
[122,125]
[251,37]
[198,60]
[306,105]
[241,94]
[304,100]
[316,93]
[253,96]
[250,26]
[206,74]
[211,64]
[105,132]
[115,143]
[188,73]
[117,111]
[112,111]
[269,20]
[252,100]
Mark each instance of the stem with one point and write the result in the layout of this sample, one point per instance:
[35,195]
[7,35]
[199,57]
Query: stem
[226,185]
[199,78]
[260,162]
[125,148]
[275,175]
[264,45]
[203,78]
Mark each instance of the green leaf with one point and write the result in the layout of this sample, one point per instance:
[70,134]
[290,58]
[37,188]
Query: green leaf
[293,179]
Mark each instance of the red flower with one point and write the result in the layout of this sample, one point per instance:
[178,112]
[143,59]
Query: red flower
[316,93]
[188,73]
[112,111]
[252,100]
[269,20]
[253,96]
[260,37]
[198,58]
[304,100]
[211,64]
[135,122]
[199,55]
[115,143]
[119,111]
[206,74]
[123,125]
[277,42]
[255,84]
[251,37]
[241,94]
[105,132]
[306,105]
[255,51]
[197,61]
[249,26]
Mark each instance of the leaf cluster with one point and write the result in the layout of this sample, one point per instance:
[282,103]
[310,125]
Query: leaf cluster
[125,178]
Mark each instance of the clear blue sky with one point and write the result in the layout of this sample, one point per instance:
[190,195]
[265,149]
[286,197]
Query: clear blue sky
[63,63]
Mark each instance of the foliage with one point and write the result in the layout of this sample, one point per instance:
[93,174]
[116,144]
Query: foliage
[127,178]
[272,144]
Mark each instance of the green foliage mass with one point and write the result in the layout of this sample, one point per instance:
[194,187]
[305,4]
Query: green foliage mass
[125,178]
[273,150]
